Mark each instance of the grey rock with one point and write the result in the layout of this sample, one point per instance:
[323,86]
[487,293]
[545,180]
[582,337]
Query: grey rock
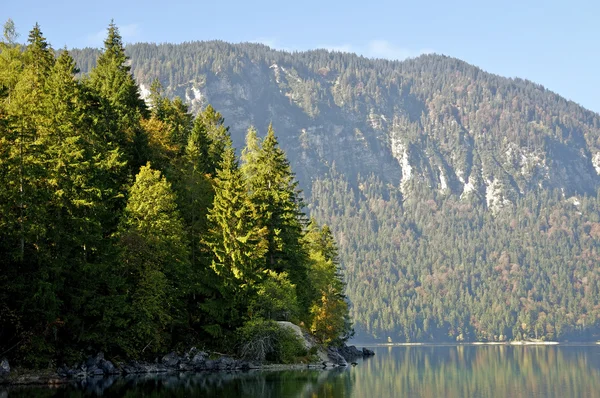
[95,360]
[367,352]
[350,352]
[171,360]
[97,372]
[335,357]
[4,367]
[198,358]
[211,365]
[80,374]
[243,365]
[226,363]
[108,367]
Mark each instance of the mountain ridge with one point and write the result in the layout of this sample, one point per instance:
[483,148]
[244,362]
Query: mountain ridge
[391,151]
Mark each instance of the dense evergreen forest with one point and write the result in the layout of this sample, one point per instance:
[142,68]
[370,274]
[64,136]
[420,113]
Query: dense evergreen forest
[465,204]
[132,226]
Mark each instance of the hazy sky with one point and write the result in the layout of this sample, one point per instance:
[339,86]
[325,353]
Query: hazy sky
[554,43]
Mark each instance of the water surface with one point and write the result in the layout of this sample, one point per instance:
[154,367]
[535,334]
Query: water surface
[421,371]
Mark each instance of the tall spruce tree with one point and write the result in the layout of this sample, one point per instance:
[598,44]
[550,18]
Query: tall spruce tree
[235,238]
[122,105]
[218,137]
[274,191]
[155,260]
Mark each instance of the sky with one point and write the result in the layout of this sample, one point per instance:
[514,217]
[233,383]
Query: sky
[553,43]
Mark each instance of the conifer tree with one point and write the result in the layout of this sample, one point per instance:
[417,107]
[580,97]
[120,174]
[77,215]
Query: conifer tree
[218,137]
[155,259]
[194,190]
[274,191]
[174,113]
[122,105]
[330,319]
[235,239]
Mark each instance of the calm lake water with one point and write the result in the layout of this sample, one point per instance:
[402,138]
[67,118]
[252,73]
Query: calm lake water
[421,371]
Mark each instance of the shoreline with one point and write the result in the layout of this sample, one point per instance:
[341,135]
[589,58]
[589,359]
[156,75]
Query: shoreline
[487,343]
[51,379]
[192,362]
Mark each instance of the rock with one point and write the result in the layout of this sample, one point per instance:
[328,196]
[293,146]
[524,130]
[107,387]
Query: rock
[185,366]
[226,363]
[91,370]
[244,365]
[108,368]
[367,352]
[171,360]
[192,352]
[336,357]
[94,361]
[4,367]
[63,371]
[350,352]
[211,365]
[306,339]
[97,372]
[199,357]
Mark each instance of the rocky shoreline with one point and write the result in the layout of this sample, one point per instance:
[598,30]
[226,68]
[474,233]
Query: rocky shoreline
[194,360]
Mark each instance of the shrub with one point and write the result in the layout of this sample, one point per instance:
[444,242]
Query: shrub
[264,340]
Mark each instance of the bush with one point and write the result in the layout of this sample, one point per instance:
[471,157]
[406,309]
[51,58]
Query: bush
[264,340]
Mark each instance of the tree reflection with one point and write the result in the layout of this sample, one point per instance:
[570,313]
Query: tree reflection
[434,371]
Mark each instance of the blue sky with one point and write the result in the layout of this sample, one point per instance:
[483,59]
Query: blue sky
[554,43]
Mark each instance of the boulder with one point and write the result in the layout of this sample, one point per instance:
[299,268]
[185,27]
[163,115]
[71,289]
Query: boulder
[367,352]
[94,361]
[4,368]
[211,365]
[335,357]
[171,360]
[199,357]
[108,368]
[350,352]
[227,363]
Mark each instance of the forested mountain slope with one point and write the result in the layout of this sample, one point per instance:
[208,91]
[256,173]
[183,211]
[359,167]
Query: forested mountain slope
[465,204]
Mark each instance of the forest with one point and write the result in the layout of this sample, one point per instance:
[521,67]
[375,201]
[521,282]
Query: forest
[465,204]
[132,227]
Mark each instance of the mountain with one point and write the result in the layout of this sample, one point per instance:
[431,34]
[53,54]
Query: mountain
[465,204]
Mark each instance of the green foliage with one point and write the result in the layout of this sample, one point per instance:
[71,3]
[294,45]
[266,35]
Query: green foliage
[121,104]
[274,193]
[261,340]
[155,262]
[275,298]
[101,251]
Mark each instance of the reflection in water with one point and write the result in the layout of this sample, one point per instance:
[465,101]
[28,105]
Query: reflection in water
[439,371]
[481,371]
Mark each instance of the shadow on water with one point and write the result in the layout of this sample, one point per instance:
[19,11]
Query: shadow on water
[434,371]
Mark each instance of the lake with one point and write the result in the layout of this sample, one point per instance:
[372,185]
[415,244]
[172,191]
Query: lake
[405,371]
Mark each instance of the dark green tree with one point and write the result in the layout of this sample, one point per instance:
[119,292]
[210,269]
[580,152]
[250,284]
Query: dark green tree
[155,260]
[274,192]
